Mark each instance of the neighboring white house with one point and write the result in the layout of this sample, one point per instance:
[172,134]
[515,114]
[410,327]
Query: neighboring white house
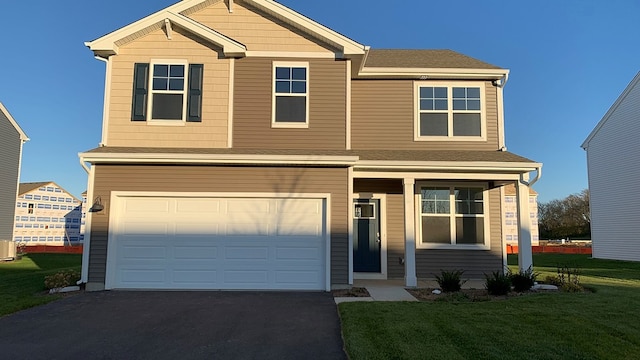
[46,214]
[613,161]
[510,216]
[11,140]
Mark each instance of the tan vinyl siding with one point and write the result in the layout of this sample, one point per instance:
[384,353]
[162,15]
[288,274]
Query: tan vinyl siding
[254,29]
[222,179]
[394,212]
[475,263]
[10,144]
[253,102]
[211,132]
[383,118]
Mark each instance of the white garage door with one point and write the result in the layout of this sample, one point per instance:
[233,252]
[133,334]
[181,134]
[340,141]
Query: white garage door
[217,243]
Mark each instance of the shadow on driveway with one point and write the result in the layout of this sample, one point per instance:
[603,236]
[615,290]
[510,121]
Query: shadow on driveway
[177,325]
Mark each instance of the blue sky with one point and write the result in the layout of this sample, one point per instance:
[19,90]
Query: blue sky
[569,61]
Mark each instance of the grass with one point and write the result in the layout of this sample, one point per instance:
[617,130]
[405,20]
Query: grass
[600,325]
[22,281]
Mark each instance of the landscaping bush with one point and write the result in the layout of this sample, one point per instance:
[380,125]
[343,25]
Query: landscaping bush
[569,278]
[523,280]
[450,281]
[61,279]
[553,280]
[497,283]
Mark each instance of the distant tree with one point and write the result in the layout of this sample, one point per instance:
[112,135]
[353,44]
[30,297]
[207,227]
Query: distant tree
[569,217]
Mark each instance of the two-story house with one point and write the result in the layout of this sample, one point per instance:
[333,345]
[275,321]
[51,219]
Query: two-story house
[12,139]
[246,146]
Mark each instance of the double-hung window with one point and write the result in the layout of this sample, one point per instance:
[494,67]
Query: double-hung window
[449,112]
[453,216]
[167,92]
[290,95]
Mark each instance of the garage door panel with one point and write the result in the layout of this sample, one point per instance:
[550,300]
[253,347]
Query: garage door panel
[143,253]
[197,228]
[220,243]
[135,206]
[298,253]
[246,253]
[197,206]
[253,228]
[142,277]
[195,277]
[195,252]
[254,277]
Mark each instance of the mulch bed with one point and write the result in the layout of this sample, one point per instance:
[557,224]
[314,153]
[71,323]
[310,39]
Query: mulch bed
[352,292]
[467,295]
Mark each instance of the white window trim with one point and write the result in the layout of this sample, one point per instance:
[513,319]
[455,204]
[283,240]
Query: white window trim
[452,246]
[150,93]
[450,86]
[295,125]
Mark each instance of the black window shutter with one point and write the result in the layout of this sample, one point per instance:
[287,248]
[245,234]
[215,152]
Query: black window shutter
[194,96]
[140,92]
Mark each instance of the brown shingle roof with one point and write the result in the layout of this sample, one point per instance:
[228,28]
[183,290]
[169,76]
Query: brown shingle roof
[26,187]
[425,59]
[381,155]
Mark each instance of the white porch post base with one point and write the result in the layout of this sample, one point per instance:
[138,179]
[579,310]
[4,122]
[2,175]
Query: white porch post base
[525,256]
[410,277]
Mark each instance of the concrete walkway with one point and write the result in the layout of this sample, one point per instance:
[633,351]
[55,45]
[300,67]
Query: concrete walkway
[380,290]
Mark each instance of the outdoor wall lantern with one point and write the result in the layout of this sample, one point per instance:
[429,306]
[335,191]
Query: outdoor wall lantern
[97,205]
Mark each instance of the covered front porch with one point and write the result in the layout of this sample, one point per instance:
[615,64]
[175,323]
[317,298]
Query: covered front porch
[412,221]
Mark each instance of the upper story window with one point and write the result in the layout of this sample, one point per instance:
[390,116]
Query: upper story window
[290,95]
[454,217]
[449,112]
[167,92]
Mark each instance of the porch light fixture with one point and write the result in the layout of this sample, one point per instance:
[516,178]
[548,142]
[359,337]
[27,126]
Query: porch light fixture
[97,205]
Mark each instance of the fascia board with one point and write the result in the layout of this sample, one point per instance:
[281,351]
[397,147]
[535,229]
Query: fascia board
[23,135]
[611,110]
[219,159]
[350,47]
[108,43]
[448,166]
[434,73]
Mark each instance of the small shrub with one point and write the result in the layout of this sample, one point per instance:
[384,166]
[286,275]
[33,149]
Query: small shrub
[523,280]
[553,280]
[497,283]
[450,281]
[569,278]
[61,279]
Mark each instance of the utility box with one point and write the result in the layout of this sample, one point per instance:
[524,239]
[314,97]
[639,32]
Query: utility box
[7,250]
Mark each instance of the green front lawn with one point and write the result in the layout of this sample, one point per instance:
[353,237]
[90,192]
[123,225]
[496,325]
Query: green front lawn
[22,281]
[600,325]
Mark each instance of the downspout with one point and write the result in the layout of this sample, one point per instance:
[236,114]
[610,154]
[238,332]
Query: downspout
[106,100]
[500,103]
[84,274]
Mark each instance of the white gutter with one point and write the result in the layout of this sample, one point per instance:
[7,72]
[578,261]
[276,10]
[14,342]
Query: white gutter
[447,166]
[106,99]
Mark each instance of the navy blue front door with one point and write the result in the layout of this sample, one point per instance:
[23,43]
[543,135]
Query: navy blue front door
[366,236]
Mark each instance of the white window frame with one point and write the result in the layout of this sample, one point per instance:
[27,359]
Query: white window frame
[298,125]
[450,111]
[452,216]
[151,92]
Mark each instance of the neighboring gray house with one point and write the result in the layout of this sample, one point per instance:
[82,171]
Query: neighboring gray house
[613,160]
[11,139]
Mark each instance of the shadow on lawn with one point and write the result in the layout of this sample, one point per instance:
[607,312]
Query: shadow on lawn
[42,262]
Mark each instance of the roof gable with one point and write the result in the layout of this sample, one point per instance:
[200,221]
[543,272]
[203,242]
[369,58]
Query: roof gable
[108,44]
[13,122]
[30,186]
[612,110]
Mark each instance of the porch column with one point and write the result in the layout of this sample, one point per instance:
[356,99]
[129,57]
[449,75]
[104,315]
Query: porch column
[525,257]
[410,234]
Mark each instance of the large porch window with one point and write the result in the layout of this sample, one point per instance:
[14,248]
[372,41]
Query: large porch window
[453,216]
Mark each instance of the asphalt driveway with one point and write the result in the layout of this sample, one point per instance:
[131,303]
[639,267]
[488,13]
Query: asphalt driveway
[176,325]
